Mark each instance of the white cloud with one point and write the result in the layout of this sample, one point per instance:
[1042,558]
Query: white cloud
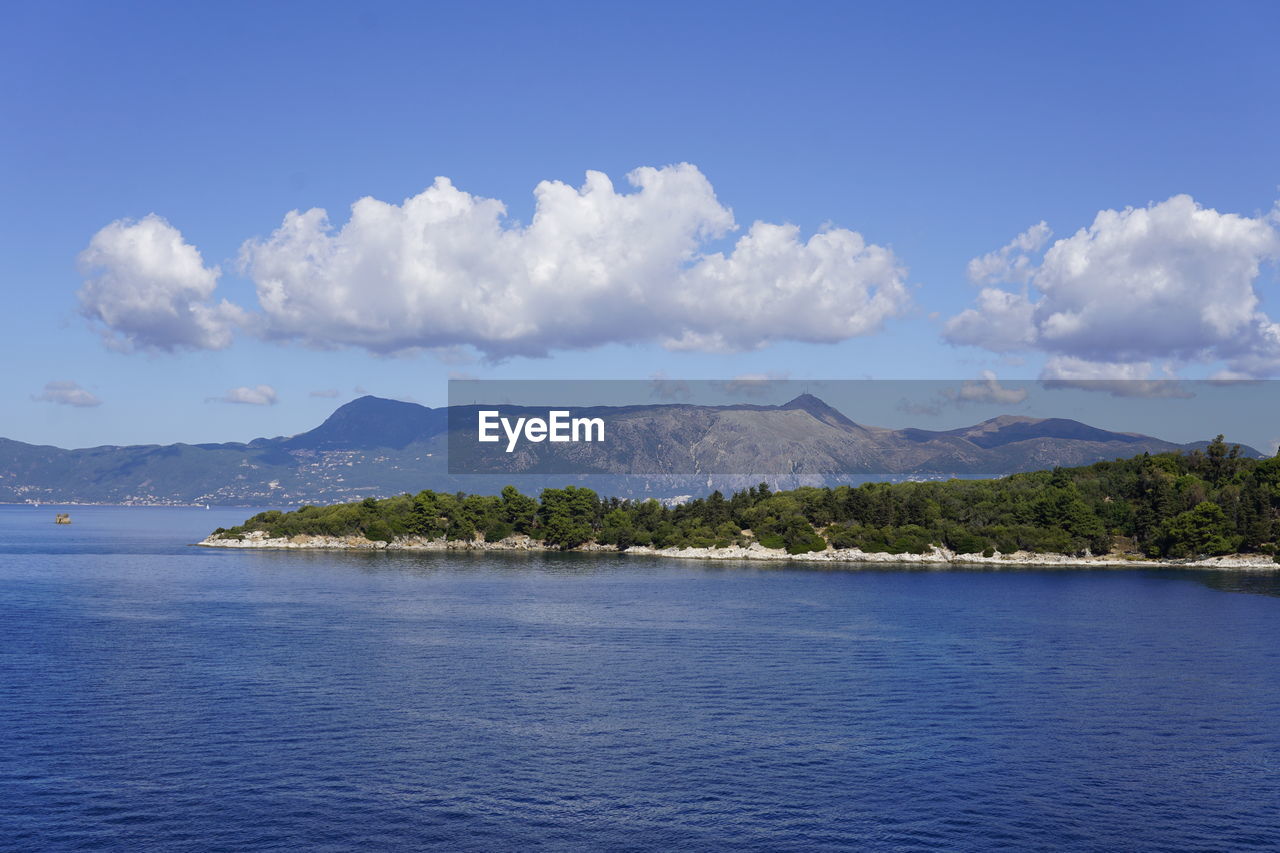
[1119,379]
[1013,262]
[593,266]
[67,393]
[1002,322]
[773,287]
[147,288]
[1070,369]
[1172,280]
[259,395]
[984,391]
[987,390]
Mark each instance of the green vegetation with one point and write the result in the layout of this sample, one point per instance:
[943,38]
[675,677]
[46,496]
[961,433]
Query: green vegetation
[1168,505]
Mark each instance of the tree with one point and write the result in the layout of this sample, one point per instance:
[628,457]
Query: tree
[1217,453]
[717,509]
[1170,504]
[618,530]
[1202,530]
[424,518]
[519,511]
[567,516]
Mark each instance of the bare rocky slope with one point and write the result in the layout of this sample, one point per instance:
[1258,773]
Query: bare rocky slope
[378,447]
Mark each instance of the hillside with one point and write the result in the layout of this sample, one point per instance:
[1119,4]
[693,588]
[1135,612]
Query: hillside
[377,447]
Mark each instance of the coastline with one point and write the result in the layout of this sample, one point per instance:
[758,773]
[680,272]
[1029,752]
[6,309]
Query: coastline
[937,557]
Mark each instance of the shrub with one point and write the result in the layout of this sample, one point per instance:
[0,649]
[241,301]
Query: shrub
[497,531]
[378,531]
[963,542]
[807,543]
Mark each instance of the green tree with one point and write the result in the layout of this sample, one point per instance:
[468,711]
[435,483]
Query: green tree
[520,511]
[1202,530]
[567,516]
[618,530]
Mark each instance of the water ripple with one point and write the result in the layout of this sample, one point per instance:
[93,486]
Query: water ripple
[183,700]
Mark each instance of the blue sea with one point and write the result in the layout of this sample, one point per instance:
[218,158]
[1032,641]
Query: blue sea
[156,696]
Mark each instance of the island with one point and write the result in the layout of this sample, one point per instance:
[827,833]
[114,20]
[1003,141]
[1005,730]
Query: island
[1215,508]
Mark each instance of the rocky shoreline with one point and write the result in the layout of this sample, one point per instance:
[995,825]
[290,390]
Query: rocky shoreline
[938,557]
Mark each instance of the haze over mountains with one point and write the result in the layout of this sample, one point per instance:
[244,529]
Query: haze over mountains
[378,447]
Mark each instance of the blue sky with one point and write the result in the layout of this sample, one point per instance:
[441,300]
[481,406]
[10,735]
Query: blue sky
[938,133]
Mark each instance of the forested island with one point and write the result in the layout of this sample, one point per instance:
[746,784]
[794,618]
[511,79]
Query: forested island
[1161,506]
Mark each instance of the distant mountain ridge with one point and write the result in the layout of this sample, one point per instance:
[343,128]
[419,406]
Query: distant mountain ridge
[371,422]
[1008,429]
[376,447]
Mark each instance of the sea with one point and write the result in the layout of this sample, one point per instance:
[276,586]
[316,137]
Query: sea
[160,696]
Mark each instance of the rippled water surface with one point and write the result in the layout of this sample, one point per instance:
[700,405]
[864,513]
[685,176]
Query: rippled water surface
[156,696]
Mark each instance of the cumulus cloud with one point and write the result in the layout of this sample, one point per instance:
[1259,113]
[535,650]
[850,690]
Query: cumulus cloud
[1013,262]
[1002,322]
[1173,280]
[774,286]
[147,288]
[67,393]
[985,391]
[593,266]
[258,395]
[1119,379]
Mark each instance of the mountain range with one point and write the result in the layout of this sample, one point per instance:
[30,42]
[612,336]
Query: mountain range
[378,447]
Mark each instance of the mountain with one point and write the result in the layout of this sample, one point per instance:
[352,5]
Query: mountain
[377,447]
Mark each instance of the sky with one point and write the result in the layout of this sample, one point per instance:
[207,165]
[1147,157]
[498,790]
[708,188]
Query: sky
[224,220]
